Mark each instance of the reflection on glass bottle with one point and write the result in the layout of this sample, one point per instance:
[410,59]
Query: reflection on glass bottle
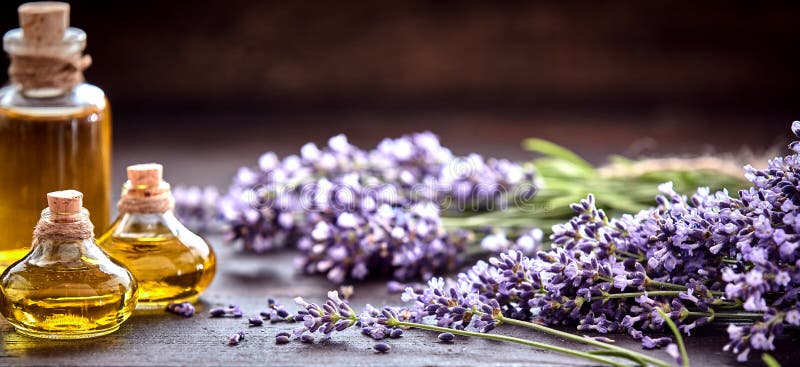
[55,130]
[170,263]
[66,287]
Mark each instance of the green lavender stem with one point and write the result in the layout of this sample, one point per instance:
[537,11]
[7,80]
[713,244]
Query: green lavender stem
[606,361]
[636,294]
[665,285]
[580,339]
[729,315]
[678,337]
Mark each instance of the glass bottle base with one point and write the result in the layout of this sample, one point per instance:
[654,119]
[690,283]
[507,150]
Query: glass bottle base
[71,335]
[145,305]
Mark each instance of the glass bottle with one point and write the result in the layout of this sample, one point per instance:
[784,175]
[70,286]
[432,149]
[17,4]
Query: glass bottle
[170,263]
[66,287]
[55,130]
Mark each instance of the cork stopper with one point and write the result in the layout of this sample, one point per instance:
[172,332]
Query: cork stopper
[145,175]
[43,22]
[65,205]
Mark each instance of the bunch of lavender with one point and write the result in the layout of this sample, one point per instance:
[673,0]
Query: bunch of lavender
[355,213]
[698,259]
[359,229]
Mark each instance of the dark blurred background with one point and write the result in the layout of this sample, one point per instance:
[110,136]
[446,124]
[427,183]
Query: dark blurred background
[217,83]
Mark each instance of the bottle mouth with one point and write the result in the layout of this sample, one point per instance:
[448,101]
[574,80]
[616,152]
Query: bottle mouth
[74,42]
[53,217]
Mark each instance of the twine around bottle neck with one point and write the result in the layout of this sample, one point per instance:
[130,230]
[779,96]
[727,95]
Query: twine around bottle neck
[146,200]
[47,71]
[63,228]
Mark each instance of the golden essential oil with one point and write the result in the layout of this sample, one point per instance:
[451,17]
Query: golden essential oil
[66,287]
[37,146]
[55,130]
[170,263]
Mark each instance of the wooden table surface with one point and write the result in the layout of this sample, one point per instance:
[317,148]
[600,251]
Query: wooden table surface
[157,338]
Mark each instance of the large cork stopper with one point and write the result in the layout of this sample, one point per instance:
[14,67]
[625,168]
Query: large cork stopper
[44,22]
[145,175]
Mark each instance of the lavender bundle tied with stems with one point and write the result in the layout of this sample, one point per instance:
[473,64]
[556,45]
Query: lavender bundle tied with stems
[282,201]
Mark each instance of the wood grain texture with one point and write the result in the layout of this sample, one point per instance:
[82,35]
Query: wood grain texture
[157,338]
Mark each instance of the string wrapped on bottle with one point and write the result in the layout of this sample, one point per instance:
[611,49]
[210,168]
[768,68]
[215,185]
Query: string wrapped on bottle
[65,219]
[146,191]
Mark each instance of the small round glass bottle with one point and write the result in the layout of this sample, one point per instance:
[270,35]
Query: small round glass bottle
[171,264]
[66,287]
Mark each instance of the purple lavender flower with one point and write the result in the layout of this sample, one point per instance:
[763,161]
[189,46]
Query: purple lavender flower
[381,347]
[356,213]
[368,234]
[528,243]
[255,321]
[196,207]
[231,311]
[446,337]
[275,312]
[236,338]
[334,315]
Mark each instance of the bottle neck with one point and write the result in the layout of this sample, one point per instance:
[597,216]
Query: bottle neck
[46,70]
[44,92]
[145,199]
[64,239]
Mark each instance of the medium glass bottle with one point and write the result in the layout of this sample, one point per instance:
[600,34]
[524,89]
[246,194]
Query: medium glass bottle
[170,263]
[66,287]
[55,130]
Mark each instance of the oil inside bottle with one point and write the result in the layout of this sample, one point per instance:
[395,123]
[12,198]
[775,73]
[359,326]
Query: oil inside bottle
[66,303]
[169,266]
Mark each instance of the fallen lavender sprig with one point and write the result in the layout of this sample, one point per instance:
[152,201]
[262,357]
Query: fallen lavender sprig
[336,315]
[185,309]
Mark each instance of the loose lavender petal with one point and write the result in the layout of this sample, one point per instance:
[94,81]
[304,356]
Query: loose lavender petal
[307,338]
[236,338]
[381,347]
[185,309]
[446,337]
[216,312]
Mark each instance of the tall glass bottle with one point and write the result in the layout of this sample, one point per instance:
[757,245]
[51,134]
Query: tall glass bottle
[66,287]
[171,264]
[55,130]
